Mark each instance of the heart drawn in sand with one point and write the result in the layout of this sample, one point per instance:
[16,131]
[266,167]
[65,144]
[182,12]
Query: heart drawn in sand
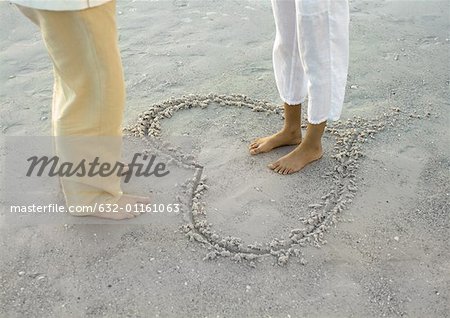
[348,139]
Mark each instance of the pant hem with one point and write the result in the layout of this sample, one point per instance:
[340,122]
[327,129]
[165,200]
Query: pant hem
[293,102]
[317,122]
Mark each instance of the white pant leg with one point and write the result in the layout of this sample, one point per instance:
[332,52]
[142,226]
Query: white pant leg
[323,39]
[287,64]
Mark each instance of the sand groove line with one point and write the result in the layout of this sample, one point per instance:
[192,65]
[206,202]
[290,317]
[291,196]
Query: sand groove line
[349,137]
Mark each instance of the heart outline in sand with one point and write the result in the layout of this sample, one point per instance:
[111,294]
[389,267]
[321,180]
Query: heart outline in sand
[349,135]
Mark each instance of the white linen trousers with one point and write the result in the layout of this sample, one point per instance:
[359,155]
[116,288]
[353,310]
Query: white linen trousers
[311,53]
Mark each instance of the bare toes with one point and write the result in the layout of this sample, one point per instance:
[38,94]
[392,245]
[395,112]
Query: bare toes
[256,150]
[278,169]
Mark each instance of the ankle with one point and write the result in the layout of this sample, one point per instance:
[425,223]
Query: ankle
[292,131]
[312,145]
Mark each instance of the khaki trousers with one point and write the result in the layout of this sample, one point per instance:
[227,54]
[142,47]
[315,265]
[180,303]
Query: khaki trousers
[88,96]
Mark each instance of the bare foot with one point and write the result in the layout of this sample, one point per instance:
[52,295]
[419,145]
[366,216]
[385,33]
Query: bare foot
[297,159]
[281,138]
[126,203]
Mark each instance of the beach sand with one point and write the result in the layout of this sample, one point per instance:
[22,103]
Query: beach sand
[376,246]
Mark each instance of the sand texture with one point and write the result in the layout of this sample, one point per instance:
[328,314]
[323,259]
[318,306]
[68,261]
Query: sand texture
[364,232]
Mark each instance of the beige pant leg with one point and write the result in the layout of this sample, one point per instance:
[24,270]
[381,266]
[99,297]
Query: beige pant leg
[89,94]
